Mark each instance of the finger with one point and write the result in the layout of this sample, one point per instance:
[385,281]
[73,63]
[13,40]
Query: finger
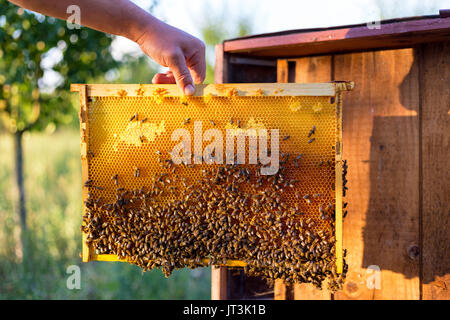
[177,64]
[197,65]
[164,78]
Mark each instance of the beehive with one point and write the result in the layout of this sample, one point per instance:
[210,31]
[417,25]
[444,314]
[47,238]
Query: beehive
[125,130]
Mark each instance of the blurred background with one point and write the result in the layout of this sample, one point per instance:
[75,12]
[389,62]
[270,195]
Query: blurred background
[40,172]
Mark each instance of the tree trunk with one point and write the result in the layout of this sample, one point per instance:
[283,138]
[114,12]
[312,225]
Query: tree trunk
[22,211]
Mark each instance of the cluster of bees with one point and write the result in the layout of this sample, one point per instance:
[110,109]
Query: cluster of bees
[231,212]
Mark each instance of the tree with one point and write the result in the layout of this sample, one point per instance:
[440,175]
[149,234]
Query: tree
[218,27]
[391,9]
[31,47]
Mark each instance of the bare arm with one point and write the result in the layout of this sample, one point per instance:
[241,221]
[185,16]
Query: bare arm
[169,46]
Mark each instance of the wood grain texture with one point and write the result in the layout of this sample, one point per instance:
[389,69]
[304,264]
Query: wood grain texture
[221,66]
[398,33]
[381,144]
[84,135]
[219,274]
[282,71]
[279,291]
[282,77]
[218,283]
[435,105]
[307,70]
[242,89]
[312,69]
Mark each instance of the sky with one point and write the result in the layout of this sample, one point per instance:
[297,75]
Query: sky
[278,15]
[267,16]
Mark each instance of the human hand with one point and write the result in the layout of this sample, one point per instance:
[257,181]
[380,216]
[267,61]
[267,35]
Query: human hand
[169,46]
[182,53]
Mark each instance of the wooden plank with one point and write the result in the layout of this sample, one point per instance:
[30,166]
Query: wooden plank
[435,105]
[242,89]
[84,134]
[339,190]
[312,69]
[116,258]
[392,34]
[444,13]
[219,286]
[218,283]
[280,289]
[282,71]
[221,67]
[381,139]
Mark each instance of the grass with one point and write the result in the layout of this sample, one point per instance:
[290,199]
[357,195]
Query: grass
[53,190]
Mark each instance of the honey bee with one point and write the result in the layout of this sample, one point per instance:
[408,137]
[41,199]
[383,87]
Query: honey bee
[88,183]
[178,222]
[312,131]
[307,199]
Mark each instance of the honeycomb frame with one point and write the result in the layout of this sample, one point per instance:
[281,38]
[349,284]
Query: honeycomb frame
[299,105]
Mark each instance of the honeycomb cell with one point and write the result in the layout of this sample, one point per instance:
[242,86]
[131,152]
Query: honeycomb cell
[130,133]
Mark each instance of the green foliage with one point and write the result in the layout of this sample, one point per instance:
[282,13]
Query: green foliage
[217,28]
[54,206]
[28,42]
[136,70]
[390,9]
[26,39]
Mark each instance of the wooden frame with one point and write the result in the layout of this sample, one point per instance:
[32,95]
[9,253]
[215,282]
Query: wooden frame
[217,90]
[86,254]
[328,89]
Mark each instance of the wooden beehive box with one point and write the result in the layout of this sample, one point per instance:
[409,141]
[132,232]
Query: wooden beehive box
[395,137]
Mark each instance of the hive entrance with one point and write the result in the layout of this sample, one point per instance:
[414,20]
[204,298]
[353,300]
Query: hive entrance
[141,207]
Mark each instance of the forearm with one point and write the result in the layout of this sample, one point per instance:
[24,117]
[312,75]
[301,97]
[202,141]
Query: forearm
[119,17]
[167,45]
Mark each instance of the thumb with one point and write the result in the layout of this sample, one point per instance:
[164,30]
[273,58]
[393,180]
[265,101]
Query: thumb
[177,64]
